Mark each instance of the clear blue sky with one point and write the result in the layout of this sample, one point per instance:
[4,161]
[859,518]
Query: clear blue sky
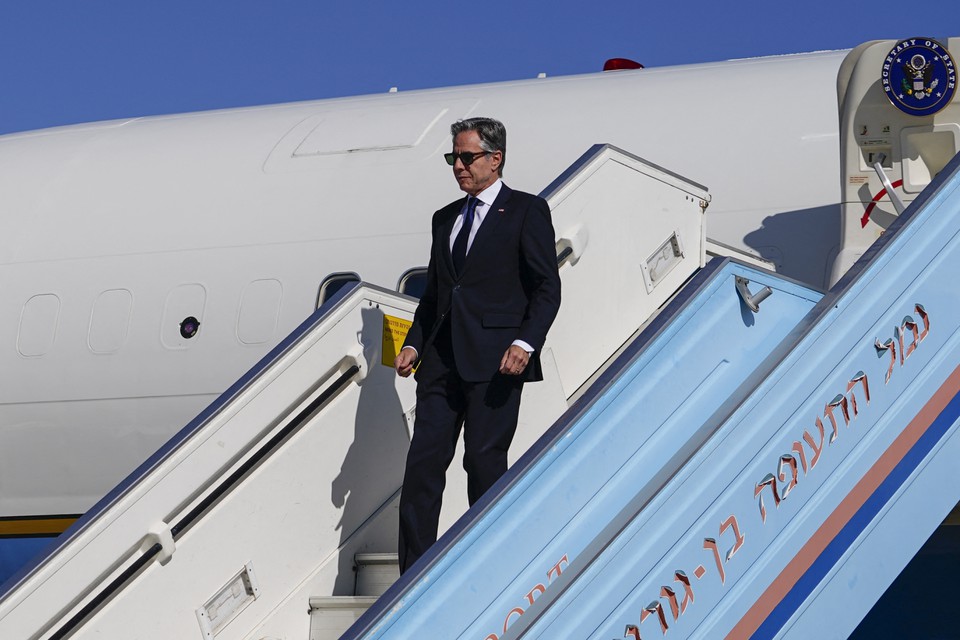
[71,61]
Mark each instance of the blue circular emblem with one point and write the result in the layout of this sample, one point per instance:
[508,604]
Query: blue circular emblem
[919,76]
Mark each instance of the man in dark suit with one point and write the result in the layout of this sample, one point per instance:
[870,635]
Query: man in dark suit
[492,292]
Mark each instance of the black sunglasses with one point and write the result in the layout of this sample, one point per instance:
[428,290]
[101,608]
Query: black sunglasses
[466,157]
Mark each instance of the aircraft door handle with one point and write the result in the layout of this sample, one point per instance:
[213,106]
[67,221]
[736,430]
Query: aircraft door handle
[885,181]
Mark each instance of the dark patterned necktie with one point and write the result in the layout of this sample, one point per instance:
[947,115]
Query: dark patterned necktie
[460,243]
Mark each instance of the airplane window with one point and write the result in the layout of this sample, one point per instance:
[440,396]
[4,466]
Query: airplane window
[413,282]
[110,321]
[259,311]
[38,325]
[333,283]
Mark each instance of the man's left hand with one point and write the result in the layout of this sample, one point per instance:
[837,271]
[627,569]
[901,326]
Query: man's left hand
[514,361]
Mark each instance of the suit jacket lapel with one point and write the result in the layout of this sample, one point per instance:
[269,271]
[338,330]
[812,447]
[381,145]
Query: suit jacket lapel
[445,232]
[495,214]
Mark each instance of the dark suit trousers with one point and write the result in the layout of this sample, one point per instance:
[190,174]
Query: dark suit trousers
[486,411]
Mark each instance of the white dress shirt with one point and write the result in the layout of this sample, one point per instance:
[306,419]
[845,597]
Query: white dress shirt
[486,199]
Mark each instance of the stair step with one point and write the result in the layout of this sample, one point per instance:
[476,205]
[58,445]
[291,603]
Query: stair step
[331,616]
[375,573]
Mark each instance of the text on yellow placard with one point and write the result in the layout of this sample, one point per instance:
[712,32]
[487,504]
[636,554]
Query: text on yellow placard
[394,333]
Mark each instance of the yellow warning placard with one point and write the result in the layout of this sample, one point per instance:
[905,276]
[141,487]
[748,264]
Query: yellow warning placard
[394,333]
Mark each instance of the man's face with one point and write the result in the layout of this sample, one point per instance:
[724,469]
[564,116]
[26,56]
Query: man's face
[482,172]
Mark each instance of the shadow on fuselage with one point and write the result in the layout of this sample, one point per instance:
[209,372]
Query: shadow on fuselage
[801,243]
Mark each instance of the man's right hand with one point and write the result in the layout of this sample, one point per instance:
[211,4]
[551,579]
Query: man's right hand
[404,361]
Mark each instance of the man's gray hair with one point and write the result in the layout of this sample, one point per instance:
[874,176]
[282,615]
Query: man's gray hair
[493,135]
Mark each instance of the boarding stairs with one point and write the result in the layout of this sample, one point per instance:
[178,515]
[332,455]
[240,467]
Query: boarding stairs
[331,616]
[782,506]
[581,476]
[269,500]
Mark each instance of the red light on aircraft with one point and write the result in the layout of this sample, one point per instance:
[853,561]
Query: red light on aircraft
[619,64]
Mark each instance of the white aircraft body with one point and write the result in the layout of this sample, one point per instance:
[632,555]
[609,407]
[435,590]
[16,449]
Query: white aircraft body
[123,237]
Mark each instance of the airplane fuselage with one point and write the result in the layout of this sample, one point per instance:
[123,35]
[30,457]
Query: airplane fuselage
[119,233]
